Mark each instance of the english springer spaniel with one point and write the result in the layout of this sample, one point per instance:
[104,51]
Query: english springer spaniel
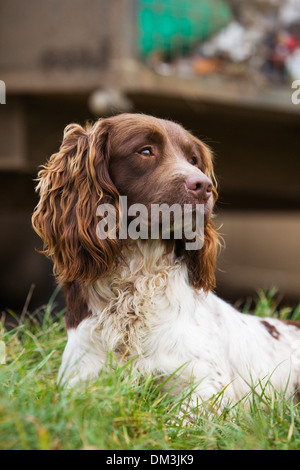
[149,298]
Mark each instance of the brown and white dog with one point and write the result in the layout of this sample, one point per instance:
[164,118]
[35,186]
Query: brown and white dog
[151,300]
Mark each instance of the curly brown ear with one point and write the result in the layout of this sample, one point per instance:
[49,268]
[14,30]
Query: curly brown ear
[71,186]
[201,264]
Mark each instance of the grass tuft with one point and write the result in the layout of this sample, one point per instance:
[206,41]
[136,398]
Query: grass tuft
[122,409]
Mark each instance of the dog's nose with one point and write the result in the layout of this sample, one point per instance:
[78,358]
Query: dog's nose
[199,185]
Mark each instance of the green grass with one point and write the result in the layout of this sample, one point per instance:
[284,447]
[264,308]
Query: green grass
[120,411]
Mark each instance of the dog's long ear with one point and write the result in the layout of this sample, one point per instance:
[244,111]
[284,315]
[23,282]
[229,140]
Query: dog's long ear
[202,263]
[71,186]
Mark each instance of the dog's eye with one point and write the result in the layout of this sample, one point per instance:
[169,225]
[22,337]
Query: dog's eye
[193,161]
[146,152]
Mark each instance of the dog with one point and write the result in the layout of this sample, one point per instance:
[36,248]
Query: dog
[150,300]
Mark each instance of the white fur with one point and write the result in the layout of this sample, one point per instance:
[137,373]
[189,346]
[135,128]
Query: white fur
[148,311]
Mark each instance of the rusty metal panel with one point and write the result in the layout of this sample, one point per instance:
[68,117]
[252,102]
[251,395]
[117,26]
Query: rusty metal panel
[54,45]
[12,135]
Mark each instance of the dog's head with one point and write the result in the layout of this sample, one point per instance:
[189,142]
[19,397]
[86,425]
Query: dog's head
[148,160]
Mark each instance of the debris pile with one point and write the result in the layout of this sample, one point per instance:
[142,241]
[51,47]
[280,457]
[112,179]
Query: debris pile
[260,43]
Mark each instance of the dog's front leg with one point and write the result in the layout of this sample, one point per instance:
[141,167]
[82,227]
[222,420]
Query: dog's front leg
[83,357]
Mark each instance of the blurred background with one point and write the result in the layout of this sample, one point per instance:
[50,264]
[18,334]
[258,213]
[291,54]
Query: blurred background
[222,68]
